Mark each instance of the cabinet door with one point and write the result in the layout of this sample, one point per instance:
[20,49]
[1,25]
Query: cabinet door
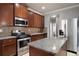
[9,50]
[9,47]
[31,19]
[0,48]
[21,11]
[36,20]
[0,51]
[45,35]
[42,21]
[37,37]
[7,42]
[38,52]
[6,14]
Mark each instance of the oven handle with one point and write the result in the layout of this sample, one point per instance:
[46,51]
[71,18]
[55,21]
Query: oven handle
[24,39]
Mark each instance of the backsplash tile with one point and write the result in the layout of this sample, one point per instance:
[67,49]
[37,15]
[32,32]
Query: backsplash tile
[6,31]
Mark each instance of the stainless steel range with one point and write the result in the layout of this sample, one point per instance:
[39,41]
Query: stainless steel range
[22,43]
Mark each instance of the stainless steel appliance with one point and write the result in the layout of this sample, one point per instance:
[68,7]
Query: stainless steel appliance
[22,42]
[22,45]
[20,22]
[72,35]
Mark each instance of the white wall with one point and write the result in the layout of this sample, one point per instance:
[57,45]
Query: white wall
[68,14]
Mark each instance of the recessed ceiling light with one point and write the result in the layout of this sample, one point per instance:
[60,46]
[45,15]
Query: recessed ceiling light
[17,4]
[43,7]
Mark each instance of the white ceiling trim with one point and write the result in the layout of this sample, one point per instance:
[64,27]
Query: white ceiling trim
[66,8]
[35,11]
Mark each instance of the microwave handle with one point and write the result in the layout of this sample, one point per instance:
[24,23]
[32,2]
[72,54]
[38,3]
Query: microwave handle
[24,39]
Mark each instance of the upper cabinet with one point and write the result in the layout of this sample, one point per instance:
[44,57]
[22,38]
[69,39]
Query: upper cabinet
[31,19]
[21,11]
[36,20]
[9,11]
[6,14]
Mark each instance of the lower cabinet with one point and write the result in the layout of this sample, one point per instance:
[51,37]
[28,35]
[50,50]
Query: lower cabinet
[9,50]
[8,47]
[0,49]
[38,37]
[38,52]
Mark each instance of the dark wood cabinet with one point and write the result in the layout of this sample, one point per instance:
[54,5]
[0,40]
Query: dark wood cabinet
[6,14]
[7,42]
[21,11]
[0,49]
[8,11]
[42,21]
[31,19]
[9,50]
[38,37]
[8,47]
[38,52]
[45,35]
[36,20]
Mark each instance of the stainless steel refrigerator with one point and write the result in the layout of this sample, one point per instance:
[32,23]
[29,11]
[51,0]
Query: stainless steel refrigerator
[72,34]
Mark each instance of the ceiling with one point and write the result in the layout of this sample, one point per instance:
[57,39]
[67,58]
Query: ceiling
[49,6]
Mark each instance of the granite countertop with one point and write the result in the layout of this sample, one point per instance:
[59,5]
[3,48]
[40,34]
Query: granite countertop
[52,45]
[6,37]
[37,33]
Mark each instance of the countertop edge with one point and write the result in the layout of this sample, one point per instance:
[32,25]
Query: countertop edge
[7,37]
[36,33]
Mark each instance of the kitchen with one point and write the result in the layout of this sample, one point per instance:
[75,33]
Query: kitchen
[24,30]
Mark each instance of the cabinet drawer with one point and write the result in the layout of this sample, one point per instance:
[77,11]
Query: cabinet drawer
[8,42]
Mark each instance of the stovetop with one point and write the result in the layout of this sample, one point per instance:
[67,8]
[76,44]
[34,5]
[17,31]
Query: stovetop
[20,35]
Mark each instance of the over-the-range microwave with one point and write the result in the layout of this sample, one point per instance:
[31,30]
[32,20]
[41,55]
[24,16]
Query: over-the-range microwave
[20,22]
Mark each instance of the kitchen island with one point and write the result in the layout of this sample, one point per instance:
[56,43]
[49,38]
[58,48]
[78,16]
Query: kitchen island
[48,47]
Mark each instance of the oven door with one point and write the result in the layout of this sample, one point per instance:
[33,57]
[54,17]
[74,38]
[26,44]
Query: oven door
[23,43]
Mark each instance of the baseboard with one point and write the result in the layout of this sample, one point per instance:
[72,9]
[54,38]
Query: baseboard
[72,51]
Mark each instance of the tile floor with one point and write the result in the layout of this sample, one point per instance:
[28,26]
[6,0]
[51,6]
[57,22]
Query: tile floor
[71,54]
[68,54]
[26,54]
[78,53]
